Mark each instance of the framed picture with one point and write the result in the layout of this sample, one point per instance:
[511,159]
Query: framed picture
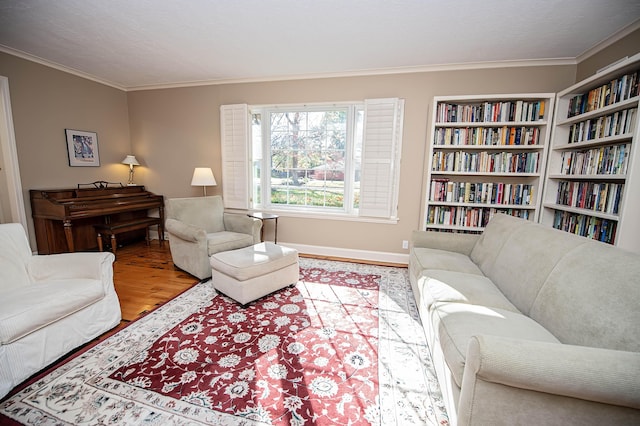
[82,148]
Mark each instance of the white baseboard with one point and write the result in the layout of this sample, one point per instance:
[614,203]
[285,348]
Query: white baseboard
[368,255]
[372,256]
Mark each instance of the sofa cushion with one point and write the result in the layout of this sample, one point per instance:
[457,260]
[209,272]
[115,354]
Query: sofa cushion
[428,258]
[226,240]
[460,287]
[456,323]
[591,298]
[27,309]
[490,243]
[525,260]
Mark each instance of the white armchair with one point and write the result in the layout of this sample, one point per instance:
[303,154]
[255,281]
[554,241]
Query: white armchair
[49,305]
[199,227]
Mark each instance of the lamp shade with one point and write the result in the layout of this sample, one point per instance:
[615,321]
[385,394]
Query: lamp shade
[203,176]
[130,160]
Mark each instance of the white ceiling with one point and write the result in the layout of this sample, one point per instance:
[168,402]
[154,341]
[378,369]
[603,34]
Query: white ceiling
[133,44]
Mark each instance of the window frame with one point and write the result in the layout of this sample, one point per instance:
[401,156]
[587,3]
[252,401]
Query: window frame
[351,109]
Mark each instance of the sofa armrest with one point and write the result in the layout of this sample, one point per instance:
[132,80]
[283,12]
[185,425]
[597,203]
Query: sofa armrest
[185,231]
[88,265]
[593,374]
[243,224]
[459,243]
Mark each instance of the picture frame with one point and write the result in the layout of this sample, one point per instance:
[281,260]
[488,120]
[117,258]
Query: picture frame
[82,148]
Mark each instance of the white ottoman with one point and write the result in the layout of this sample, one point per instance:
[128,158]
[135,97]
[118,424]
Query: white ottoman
[250,273]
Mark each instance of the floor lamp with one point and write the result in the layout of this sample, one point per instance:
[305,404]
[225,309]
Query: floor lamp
[203,176]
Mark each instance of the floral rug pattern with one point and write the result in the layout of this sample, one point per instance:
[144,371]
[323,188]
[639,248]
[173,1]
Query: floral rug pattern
[343,347]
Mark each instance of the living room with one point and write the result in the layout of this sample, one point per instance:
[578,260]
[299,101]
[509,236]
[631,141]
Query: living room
[152,123]
[174,127]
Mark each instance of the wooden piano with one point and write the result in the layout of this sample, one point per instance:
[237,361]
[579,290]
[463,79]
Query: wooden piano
[64,219]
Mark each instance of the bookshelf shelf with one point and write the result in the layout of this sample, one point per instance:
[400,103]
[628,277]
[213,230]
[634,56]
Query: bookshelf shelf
[578,210]
[486,154]
[593,156]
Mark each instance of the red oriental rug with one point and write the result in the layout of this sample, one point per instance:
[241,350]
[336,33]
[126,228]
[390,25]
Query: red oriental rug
[342,347]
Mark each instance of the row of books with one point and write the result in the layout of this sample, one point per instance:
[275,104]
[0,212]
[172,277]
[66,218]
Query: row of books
[617,90]
[468,216]
[490,112]
[492,136]
[606,160]
[486,162]
[587,226]
[481,192]
[600,197]
[618,123]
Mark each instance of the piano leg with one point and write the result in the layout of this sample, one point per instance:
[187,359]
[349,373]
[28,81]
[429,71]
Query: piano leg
[68,233]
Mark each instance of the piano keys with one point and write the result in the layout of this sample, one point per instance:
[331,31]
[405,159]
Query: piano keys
[64,219]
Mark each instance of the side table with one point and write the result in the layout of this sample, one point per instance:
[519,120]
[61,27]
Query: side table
[263,217]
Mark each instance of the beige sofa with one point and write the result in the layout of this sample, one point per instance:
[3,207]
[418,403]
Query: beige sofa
[529,325]
[49,305]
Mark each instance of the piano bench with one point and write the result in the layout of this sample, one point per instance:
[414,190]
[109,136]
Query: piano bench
[113,229]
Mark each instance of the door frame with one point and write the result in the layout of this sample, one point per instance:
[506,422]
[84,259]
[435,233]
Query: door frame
[10,155]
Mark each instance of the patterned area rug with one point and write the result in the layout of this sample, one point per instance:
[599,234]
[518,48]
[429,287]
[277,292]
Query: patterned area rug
[343,347]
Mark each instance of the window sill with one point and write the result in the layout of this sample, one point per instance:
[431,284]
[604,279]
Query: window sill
[329,216]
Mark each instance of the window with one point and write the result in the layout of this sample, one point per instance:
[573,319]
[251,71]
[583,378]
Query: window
[311,157]
[340,159]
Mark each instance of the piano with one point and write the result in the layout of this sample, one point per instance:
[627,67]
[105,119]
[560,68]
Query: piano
[64,219]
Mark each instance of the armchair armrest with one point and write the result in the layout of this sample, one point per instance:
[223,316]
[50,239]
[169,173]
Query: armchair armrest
[459,243]
[593,374]
[71,265]
[185,231]
[243,224]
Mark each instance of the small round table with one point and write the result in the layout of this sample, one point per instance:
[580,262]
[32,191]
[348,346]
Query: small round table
[263,217]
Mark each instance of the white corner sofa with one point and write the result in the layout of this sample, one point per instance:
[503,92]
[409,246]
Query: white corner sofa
[49,305]
[529,325]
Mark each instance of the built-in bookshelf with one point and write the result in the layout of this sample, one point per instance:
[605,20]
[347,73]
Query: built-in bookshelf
[487,154]
[592,156]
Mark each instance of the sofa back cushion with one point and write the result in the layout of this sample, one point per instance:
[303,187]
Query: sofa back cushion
[203,212]
[496,233]
[523,255]
[14,256]
[592,298]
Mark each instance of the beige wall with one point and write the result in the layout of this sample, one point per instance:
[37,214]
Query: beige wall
[44,103]
[175,130]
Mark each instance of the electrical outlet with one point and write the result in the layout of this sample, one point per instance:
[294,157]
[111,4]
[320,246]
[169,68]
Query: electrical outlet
[405,244]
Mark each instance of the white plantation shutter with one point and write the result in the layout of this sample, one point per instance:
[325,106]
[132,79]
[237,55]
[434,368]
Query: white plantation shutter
[381,157]
[234,129]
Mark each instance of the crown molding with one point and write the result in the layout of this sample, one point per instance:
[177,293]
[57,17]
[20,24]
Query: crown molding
[609,41]
[63,68]
[366,73]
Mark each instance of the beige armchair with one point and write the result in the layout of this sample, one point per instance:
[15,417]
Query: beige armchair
[199,227]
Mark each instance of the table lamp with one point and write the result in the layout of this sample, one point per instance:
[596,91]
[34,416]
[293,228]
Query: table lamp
[131,161]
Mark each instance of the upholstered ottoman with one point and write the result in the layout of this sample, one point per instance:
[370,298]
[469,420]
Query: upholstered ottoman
[250,273]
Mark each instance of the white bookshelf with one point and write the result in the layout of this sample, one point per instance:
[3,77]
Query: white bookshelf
[486,154]
[592,185]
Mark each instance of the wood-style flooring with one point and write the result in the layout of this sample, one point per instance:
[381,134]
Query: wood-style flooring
[145,277]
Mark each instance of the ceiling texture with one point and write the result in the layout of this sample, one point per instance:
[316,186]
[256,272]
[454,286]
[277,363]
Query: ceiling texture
[137,44]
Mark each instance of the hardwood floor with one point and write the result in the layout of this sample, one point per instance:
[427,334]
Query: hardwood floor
[145,277]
